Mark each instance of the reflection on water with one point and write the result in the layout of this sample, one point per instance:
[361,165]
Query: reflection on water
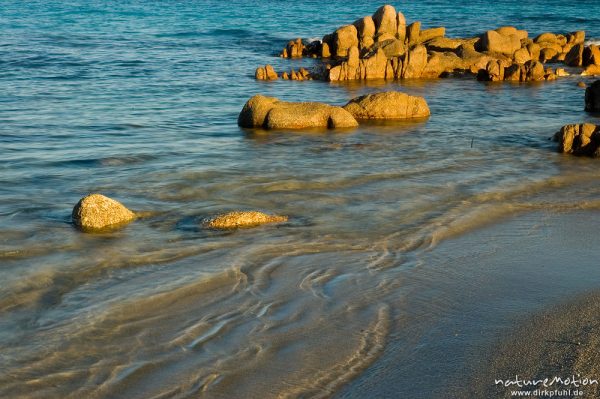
[146,113]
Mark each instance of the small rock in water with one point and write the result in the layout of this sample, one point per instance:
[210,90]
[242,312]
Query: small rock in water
[97,212]
[582,85]
[242,219]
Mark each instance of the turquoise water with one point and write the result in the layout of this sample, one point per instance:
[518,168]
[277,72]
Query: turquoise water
[139,101]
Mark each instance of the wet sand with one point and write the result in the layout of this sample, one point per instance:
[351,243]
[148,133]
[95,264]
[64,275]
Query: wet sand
[563,342]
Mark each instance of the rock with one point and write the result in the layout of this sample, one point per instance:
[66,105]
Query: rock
[591,55]
[581,84]
[548,54]
[353,57]
[550,74]
[443,44]
[294,49]
[365,27]
[384,37]
[579,139]
[511,30]
[521,56]
[415,62]
[304,73]
[255,111]
[554,46]
[522,34]
[534,51]
[428,34]
[472,59]
[560,72]
[374,67]
[493,72]
[97,212]
[344,38]
[547,38]
[243,219]
[260,73]
[592,97]
[507,30]
[514,73]
[591,70]
[388,105]
[575,56]
[325,52]
[494,42]
[401,26]
[440,64]
[366,43]
[391,69]
[534,71]
[270,113]
[385,19]
[270,72]
[412,33]
[393,48]
[574,38]
[266,73]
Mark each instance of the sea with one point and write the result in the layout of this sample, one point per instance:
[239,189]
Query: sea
[411,248]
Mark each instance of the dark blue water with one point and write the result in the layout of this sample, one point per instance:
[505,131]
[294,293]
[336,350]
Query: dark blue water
[139,100]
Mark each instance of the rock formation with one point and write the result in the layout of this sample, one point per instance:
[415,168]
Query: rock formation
[243,219]
[383,46]
[97,212]
[271,113]
[579,139]
[388,105]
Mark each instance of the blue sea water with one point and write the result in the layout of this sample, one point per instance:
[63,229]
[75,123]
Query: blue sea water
[139,100]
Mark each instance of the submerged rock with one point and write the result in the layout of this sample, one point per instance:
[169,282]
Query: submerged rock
[242,219]
[579,139]
[592,97]
[271,113]
[388,105]
[97,212]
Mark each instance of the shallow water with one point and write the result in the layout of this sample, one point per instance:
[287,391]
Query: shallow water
[139,101]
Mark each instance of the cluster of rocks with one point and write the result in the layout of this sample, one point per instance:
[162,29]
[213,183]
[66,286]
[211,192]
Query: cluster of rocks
[297,49]
[579,139]
[383,46]
[587,57]
[271,113]
[98,213]
[583,138]
[268,73]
